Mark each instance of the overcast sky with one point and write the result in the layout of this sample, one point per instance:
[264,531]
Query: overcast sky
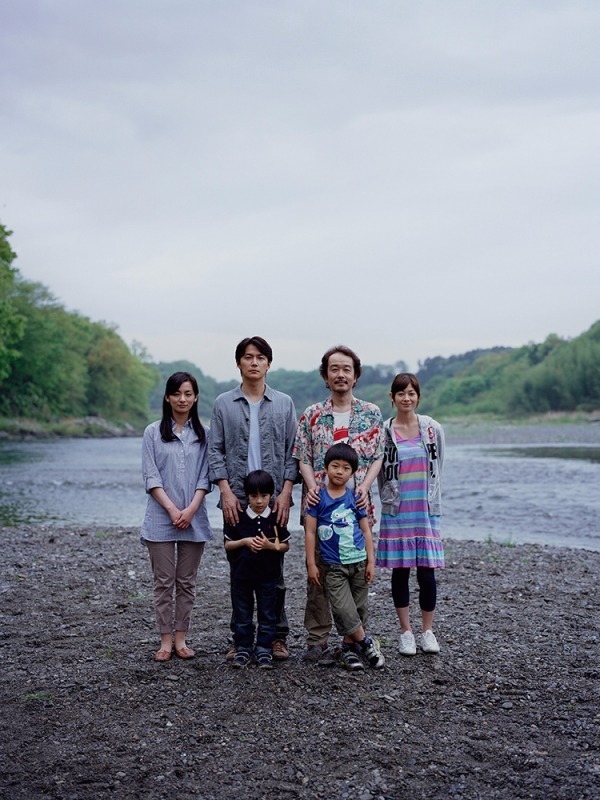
[410,178]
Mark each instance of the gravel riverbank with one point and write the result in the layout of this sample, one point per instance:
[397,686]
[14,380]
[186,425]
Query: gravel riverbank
[508,709]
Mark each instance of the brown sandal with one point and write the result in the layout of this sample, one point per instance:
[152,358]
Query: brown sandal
[185,652]
[163,655]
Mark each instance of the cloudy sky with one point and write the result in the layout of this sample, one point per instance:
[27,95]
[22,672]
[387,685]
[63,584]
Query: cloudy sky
[410,178]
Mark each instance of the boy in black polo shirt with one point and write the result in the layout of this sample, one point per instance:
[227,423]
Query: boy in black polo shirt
[255,548]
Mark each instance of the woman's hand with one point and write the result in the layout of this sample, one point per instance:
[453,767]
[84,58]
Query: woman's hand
[185,519]
[174,514]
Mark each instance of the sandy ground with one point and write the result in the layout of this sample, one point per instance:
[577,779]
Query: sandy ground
[508,709]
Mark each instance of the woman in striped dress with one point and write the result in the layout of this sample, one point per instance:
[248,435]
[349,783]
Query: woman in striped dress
[410,491]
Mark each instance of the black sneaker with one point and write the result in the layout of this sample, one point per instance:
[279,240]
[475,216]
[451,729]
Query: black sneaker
[372,653]
[240,660]
[314,653]
[264,661]
[349,660]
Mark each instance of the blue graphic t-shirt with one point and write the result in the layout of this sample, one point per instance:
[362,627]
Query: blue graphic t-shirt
[340,538]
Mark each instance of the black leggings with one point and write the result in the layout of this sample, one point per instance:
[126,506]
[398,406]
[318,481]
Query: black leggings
[427,587]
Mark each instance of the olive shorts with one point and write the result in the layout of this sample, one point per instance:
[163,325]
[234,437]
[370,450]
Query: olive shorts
[348,594]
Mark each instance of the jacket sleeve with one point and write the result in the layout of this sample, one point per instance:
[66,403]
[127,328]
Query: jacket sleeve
[441,445]
[217,466]
[290,472]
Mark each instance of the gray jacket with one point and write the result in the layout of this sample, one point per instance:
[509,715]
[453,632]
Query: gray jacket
[432,436]
[230,433]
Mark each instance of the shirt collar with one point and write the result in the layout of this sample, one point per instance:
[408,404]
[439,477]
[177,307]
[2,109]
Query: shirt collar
[264,514]
[187,424]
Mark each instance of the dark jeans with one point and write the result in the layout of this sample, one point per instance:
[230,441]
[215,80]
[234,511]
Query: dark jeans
[242,598]
[282,626]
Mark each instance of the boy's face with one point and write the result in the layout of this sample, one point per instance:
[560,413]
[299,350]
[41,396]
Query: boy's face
[258,502]
[339,472]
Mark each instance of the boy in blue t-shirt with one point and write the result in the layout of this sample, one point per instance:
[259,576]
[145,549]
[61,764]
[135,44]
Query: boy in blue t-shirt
[346,548]
[255,548]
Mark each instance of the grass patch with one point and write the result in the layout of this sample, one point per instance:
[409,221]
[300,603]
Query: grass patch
[38,697]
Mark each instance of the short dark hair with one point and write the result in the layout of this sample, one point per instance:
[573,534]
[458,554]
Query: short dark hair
[342,452]
[258,482]
[340,348]
[261,345]
[404,379]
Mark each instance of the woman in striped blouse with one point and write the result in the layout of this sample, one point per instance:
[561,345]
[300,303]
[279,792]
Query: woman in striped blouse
[176,527]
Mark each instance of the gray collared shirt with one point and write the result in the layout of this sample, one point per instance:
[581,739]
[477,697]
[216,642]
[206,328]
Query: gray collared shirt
[230,432]
[180,468]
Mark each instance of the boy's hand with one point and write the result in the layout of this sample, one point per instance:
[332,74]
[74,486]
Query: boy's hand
[313,575]
[259,543]
[370,573]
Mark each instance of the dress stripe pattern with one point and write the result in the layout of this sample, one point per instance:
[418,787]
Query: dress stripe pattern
[411,538]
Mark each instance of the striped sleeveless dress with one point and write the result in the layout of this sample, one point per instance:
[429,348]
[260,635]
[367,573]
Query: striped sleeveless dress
[411,538]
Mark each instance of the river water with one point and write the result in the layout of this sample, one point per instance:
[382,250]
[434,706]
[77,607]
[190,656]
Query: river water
[510,483]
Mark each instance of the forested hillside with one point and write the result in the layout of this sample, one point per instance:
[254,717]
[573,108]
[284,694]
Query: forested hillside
[557,375]
[560,375]
[56,364]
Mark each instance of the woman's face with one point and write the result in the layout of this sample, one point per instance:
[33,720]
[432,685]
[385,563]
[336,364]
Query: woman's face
[406,399]
[184,398]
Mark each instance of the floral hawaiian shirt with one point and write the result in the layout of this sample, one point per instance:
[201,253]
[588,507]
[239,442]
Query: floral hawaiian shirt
[315,437]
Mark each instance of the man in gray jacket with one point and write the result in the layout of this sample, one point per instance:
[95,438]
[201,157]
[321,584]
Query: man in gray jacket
[254,427]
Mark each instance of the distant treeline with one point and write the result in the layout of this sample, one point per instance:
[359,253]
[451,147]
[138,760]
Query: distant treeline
[56,364]
[558,375]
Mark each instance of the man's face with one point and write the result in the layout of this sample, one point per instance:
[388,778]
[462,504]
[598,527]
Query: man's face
[340,373]
[253,364]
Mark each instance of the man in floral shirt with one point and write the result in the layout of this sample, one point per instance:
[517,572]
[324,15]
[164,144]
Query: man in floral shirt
[340,418]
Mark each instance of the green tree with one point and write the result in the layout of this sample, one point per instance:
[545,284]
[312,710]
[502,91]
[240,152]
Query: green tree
[118,382]
[11,322]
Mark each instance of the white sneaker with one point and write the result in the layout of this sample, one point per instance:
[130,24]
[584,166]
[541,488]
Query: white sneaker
[429,643]
[408,646]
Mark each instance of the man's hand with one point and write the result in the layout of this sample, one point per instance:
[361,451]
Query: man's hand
[312,496]
[281,507]
[361,495]
[231,507]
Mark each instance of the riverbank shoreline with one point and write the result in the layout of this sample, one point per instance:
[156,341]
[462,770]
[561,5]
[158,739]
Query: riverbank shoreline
[91,427]
[16,429]
[508,709]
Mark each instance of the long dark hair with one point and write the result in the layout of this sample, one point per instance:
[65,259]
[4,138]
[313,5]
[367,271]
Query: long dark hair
[166,423]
